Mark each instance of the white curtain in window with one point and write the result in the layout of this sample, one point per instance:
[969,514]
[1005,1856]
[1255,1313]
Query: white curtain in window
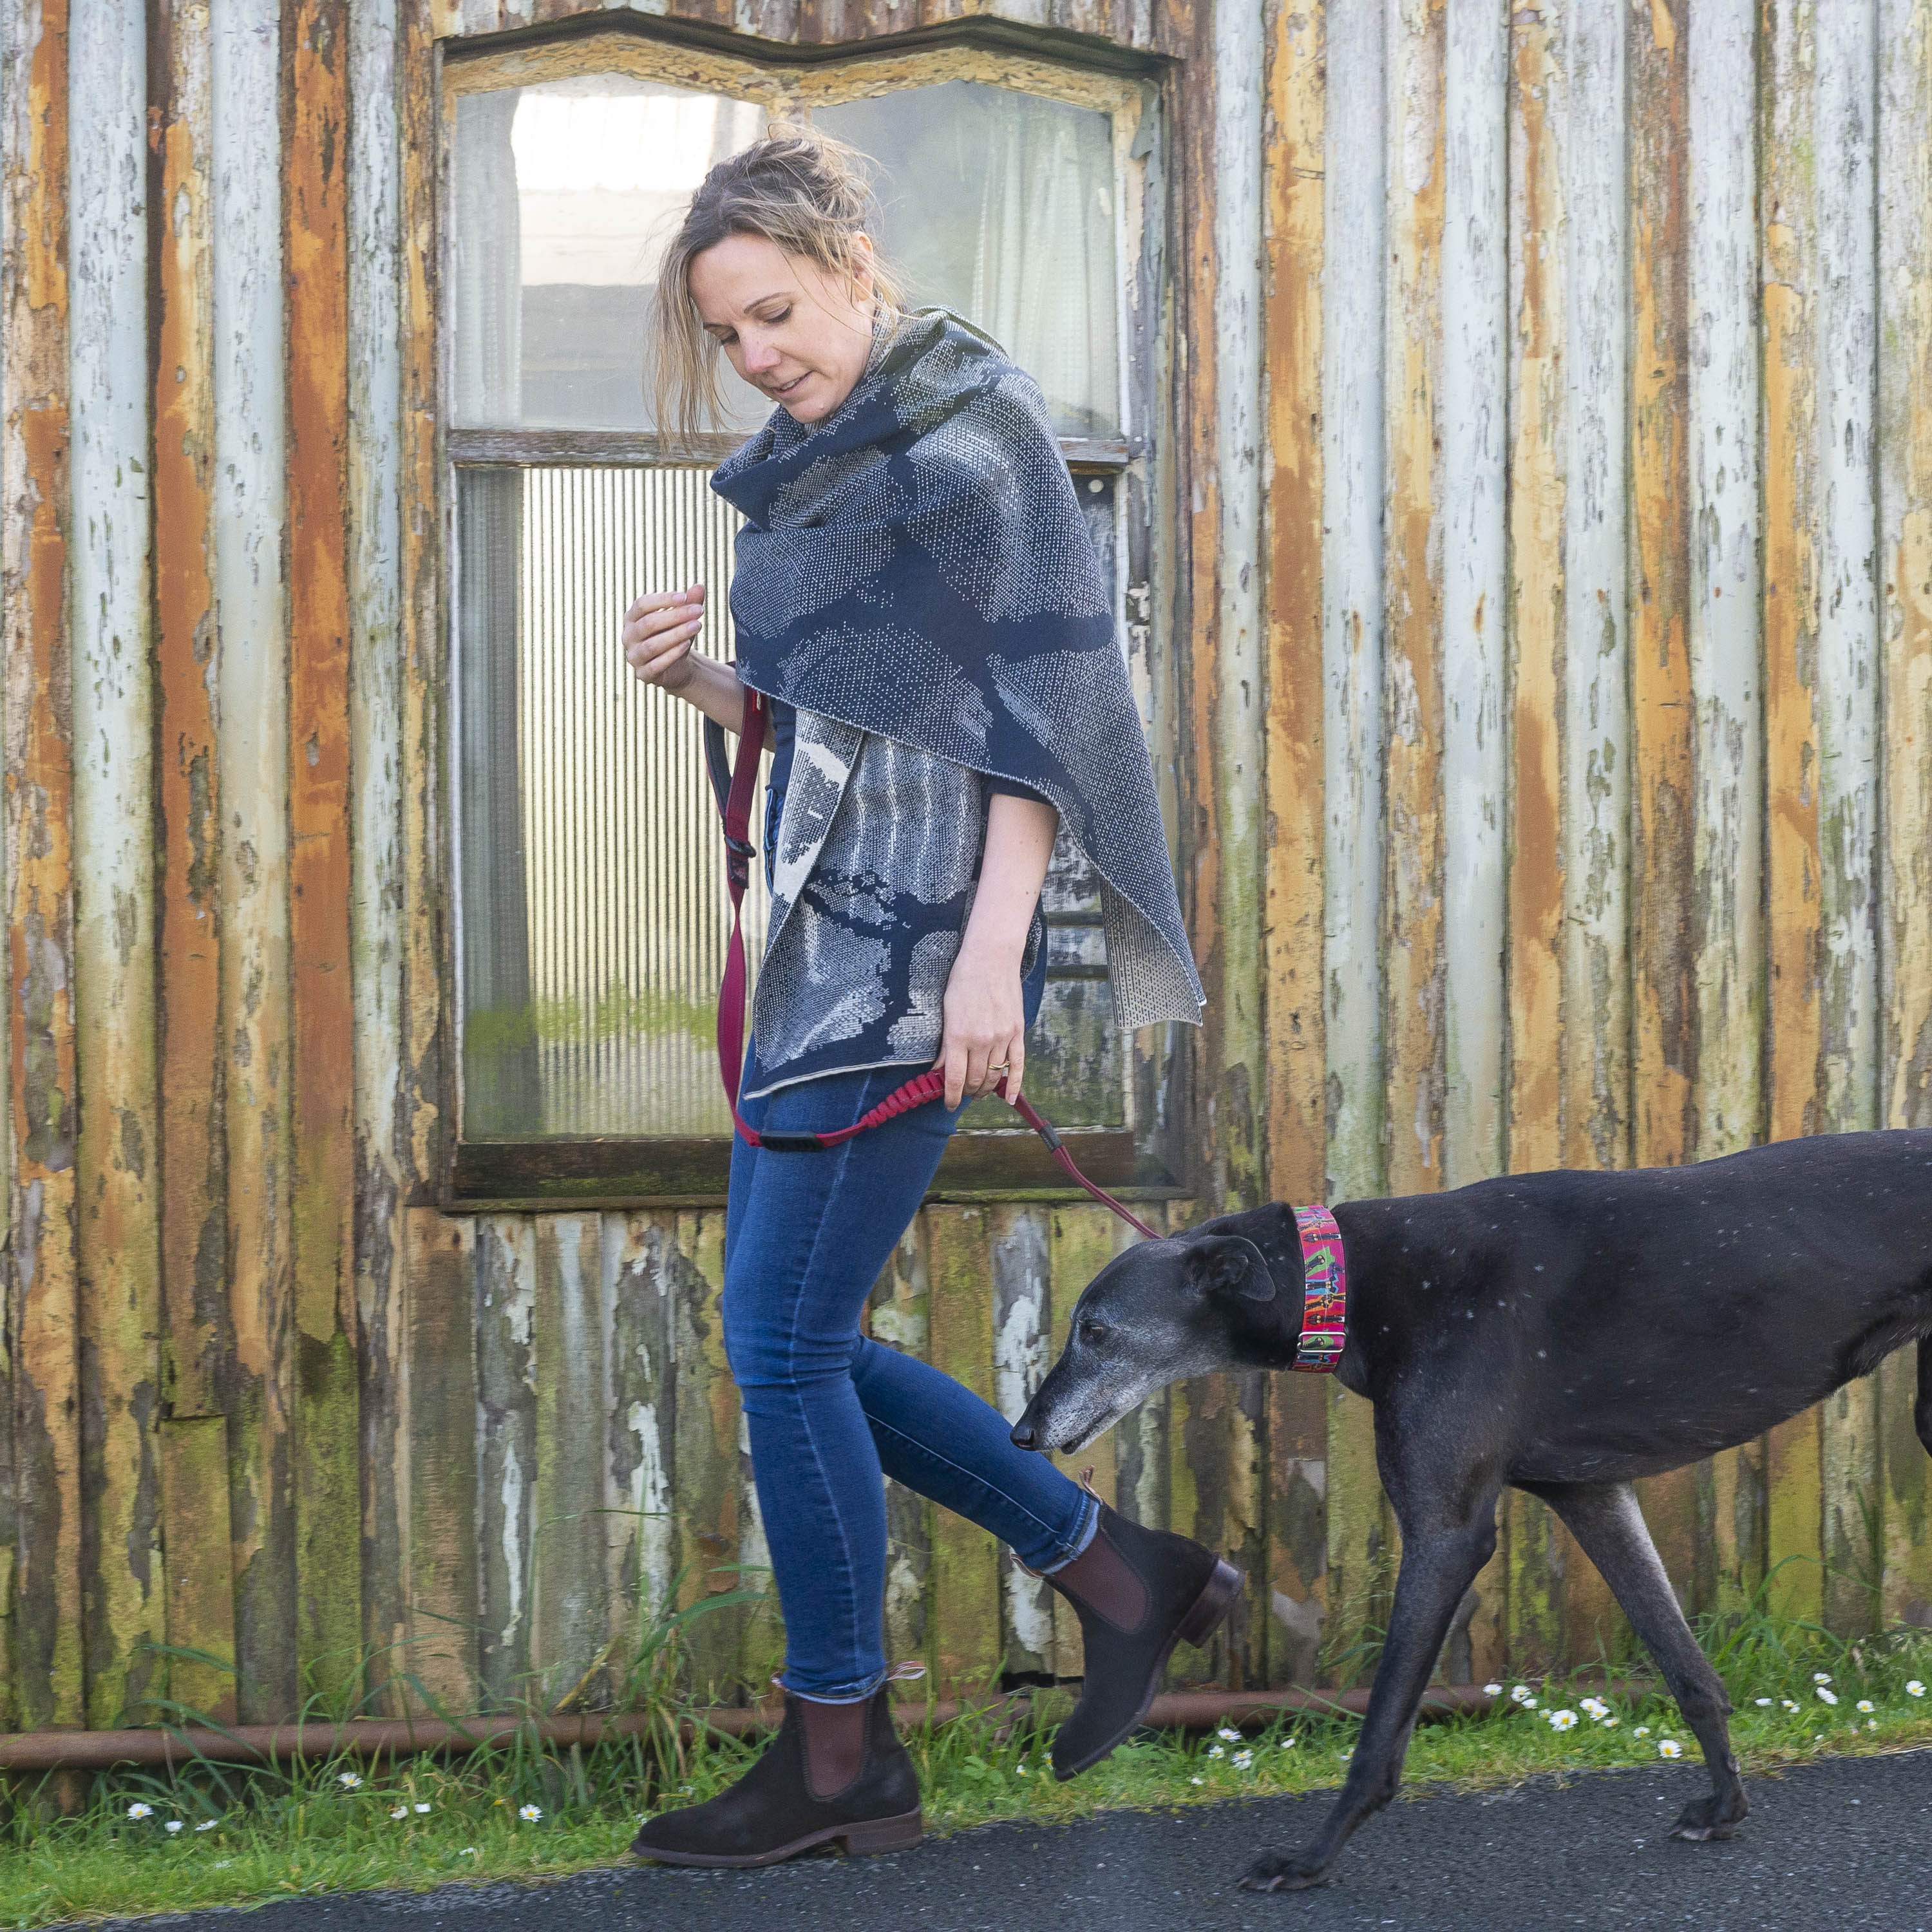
[1000,205]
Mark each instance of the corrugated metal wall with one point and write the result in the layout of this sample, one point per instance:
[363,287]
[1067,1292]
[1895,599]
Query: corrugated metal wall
[1549,521]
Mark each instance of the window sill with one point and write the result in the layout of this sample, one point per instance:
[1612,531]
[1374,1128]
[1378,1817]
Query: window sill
[588,1175]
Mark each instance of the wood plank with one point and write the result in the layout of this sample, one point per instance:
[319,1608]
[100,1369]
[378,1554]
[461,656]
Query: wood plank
[898,1316]
[1354,219]
[114,937]
[1597,669]
[705,1474]
[1539,491]
[638,1277]
[195,1538]
[1792,506]
[1412,906]
[1904,456]
[1734,1528]
[47,1627]
[376,764]
[1794,1553]
[322,1006]
[1292,497]
[572,1620]
[1906,1503]
[1849,665]
[1662,716]
[1022,1319]
[1725,586]
[1475,499]
[966,1562]
[444,1579]
[249,516]
[190,1148]
[506,1288]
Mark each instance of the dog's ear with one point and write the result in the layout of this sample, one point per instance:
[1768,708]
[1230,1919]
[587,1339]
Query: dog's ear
[1229,1264]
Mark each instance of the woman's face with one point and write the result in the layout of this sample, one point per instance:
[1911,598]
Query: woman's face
[790,329]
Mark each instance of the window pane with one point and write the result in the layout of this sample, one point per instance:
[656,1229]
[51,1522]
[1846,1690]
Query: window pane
[566,196]
[593,915]
[1000,205]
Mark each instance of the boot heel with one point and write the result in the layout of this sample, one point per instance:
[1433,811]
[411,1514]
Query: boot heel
[883,1834]
[1212,1605]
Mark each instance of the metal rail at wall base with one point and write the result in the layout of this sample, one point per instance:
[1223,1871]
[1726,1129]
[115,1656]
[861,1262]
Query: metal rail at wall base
[39,1751]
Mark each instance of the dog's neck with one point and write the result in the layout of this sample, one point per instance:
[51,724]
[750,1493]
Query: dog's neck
[1270,1331]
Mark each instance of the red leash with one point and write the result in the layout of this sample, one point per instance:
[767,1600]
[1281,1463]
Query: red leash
[732,785]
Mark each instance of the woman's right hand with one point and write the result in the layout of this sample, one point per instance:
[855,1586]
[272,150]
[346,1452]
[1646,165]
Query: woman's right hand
[658,632]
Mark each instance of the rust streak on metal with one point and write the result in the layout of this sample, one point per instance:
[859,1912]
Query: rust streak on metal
[193,1206]
[1662,718]
[1416,1041]
[1537,490]
[321,1021]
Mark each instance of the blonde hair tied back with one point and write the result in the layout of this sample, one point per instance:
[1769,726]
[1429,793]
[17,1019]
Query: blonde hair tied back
[798,188]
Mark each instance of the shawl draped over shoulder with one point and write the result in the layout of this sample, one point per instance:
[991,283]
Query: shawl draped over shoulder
[917,566]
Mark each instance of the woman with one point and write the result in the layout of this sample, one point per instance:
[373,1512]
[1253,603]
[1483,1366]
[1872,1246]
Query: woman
[916,594]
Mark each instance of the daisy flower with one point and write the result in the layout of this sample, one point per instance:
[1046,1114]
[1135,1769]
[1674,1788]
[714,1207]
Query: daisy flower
[172,1825]
[1493,1690]
[1669,1748]
[1866,1705]
[1520,1695]
[401,1811]
[1217,1750]
[206,1825]
[1608,1723]
[1022,1770]
[1914,1689]
[1828,1697]
[1242,1759]
[529,1814]
[1197,1780]
[1563,1721]
[1642,1731]
[422,1807]
[1788,1703]
[138,1810]
[1346,1755]
[1871,1723]
[468,1852]
[1764,1703]
[348,1780]
[1288,1744]
[1821,1677]
[1595,1707]
[1529,1703]
[1228,1735]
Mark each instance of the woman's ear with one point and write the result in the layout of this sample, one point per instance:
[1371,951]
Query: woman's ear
[862,267]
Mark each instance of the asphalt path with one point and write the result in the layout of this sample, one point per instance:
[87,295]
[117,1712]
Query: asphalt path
[1843,1843]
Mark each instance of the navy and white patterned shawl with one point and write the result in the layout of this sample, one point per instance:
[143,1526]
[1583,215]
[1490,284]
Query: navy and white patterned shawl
[915,569]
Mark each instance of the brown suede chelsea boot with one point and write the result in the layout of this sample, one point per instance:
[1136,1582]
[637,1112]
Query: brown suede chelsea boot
[1139,1592]
[834,1771]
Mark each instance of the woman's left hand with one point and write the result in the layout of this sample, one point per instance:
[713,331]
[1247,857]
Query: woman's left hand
[984,1038]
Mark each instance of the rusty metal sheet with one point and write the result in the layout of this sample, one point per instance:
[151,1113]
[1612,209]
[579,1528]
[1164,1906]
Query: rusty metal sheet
[114,935]
[49,1686]
[1294,1037]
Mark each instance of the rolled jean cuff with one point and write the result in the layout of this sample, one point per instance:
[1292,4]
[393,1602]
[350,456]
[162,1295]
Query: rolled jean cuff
[839,1693]
[1075,1545]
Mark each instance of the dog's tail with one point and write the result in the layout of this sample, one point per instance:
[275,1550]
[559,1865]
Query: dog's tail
[1921,1416]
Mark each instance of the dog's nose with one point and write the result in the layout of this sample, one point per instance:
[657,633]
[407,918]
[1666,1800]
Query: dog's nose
[1023,1435]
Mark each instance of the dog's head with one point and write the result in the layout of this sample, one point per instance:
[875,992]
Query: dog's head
[1191,1305]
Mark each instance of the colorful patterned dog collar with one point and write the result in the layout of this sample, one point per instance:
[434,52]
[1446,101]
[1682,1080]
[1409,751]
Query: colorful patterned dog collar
[1324,1311]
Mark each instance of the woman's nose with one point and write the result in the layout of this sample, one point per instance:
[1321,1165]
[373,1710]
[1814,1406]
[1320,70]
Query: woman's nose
[759,353]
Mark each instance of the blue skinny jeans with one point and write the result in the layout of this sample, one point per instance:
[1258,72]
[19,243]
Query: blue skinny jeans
[806,1236]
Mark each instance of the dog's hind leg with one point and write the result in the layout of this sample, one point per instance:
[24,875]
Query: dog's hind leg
[1922,1413]
[1439,1561]
[1605,1519]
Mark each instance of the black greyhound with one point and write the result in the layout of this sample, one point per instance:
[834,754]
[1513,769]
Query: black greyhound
[1564,1333]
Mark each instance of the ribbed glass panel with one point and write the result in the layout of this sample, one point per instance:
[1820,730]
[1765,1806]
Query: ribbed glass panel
[610,862]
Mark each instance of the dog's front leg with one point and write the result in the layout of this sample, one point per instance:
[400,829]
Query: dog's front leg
[1439,1564]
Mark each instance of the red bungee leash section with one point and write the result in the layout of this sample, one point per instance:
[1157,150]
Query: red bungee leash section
[732,784]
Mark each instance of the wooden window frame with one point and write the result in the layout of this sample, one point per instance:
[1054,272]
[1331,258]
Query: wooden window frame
[1141,1160]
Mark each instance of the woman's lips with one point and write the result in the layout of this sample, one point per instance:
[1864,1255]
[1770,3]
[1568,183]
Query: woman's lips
[786,388]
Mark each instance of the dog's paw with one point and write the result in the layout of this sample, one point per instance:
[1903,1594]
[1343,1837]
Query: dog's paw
[1708,1820]
[1277,1871]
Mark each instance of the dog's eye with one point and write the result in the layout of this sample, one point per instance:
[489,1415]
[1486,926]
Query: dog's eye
[1091,1330]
